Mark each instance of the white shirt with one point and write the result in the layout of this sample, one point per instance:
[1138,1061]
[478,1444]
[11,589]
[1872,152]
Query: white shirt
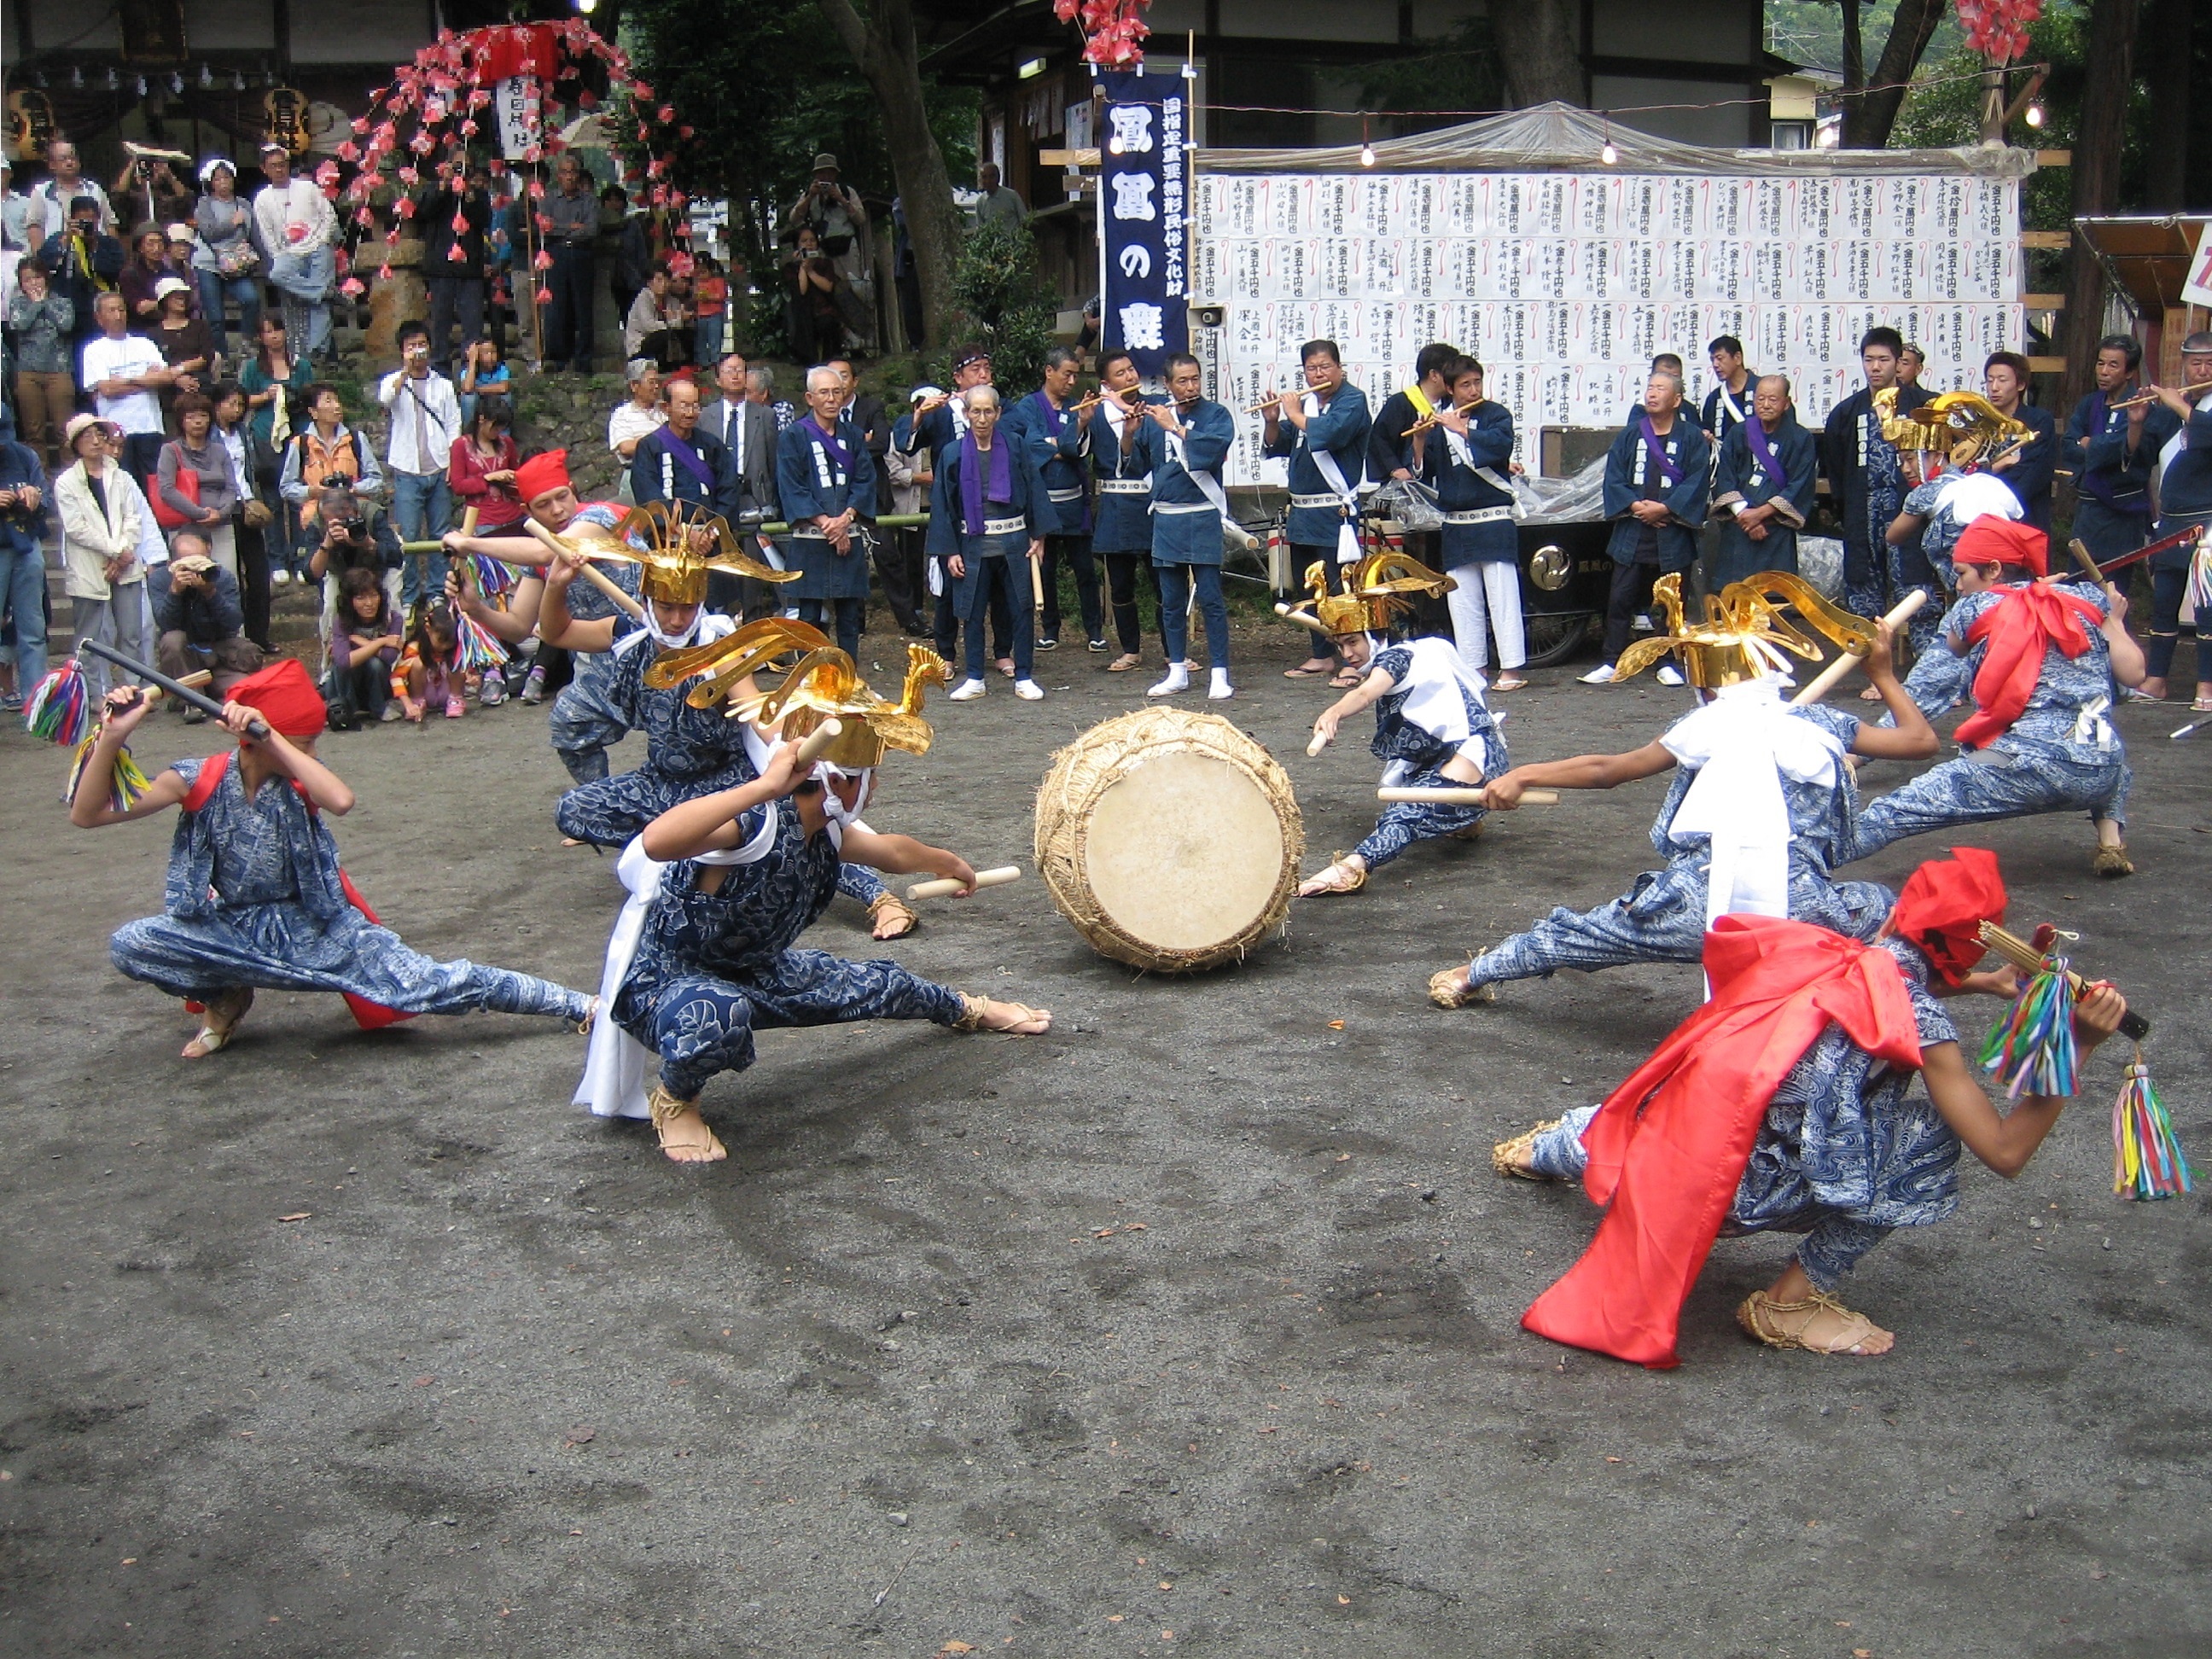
[279,208]
[629,422]
[125,359]
[55,203]
[426,418]
[732,417]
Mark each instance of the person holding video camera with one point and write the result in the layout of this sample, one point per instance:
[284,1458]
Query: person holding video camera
[355,535]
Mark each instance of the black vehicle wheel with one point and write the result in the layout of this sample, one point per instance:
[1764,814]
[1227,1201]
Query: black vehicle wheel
[1554,638]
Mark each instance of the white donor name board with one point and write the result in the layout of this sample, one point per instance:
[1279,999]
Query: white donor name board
[1566,285]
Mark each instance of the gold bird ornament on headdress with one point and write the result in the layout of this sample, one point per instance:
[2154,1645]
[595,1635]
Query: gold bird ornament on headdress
[825,685]
[1378,589]
[671,566]
[1965,428]
[735,656]
[1744,634]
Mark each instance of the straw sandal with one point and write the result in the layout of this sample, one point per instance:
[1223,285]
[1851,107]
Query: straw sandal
[1447,989]
[1510,1158]
[888,910]
[2112,861]
[974,1011]
[1756,1314]
[219,1022]
[1350,881]
[1124,663]
[666,1111]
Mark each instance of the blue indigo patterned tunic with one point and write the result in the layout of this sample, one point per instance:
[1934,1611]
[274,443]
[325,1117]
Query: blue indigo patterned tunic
[1417,754]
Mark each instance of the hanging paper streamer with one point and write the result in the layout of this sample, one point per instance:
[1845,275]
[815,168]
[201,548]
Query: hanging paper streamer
[494,576]
[2033,1051]
[2200,578]
[59,708]
[478,649]
[125,782]
[2147,1160]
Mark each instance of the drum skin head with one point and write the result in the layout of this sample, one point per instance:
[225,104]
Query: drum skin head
[1169,840]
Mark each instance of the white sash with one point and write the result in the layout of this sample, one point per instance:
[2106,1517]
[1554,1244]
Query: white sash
[1208,485]
[2179,440]
[1456,445]
[1434,703]
[1347,535]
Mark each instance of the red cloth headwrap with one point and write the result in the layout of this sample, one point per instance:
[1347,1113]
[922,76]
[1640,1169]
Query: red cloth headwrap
[542,472]
[1992,540]
[286,698]
[1944,904]
[2024,626]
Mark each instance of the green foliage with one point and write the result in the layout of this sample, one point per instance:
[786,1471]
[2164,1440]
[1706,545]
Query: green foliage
[767,83]
[1811,33]
[999,302]
[1456,71]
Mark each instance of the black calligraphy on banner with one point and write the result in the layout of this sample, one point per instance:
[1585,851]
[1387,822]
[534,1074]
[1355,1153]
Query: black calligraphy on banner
[1141,198]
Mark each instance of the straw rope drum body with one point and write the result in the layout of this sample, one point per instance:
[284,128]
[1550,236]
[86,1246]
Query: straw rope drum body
[1170,840]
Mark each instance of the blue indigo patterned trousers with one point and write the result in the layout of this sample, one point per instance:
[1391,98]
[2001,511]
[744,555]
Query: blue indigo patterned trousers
[1833,1241]
[1405,822]
[1663,919]
[700,1025]
[2027,777]
[583,725]
[280,947]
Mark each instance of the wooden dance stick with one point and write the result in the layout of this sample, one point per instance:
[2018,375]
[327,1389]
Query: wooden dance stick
[819,739]
[177,689]
[1036,583]
[1302,619]
[1466,797]
[605,585]
[945,886]
[2027,959]
[1825,681]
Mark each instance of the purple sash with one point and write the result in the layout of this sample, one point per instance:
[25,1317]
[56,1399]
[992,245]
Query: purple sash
[1667,469]
[973,494]
[837,451]
[1754,432]
[692,463]
[1053,418]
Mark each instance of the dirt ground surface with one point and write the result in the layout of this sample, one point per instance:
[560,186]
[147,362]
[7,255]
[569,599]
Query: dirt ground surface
[1190,1328]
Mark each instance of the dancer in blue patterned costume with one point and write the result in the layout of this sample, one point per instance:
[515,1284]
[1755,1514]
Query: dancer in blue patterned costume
[1848,1150]
[722,885]
[254,895]
[2039,740]
[1432,725]
[1864,468]
[1761,809]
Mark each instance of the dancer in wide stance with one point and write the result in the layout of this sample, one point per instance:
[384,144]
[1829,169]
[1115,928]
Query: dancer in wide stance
[1761,810]
[1786,1103]
[722,886]
[2043,657]
[255,896]
[1431,726]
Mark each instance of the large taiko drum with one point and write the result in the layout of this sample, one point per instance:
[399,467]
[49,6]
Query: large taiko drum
[1170,840]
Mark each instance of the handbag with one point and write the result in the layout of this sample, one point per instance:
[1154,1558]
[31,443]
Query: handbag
[188,486]
[237,259]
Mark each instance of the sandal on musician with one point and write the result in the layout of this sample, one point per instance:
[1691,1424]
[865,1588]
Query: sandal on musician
[1808,1037]
[1432,729]
[722,887]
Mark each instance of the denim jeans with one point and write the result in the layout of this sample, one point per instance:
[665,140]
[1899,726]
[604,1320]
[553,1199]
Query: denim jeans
[215,290]
[23,590]
[708,348]
[305,279]
[420,505]
[1176,581]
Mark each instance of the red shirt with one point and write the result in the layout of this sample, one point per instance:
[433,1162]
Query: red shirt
[497,505]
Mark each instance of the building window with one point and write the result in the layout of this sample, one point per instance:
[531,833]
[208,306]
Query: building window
[1791,134]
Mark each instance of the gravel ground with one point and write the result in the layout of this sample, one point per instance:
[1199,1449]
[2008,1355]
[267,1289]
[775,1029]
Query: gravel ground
[1188,1328]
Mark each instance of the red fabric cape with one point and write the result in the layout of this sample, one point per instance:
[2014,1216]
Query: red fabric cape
[1669,1144]
[369,1016]
[2020,627]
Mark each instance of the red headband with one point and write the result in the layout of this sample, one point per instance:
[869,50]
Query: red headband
[285,697]
[1944,904]
[1992,540]
[542,472]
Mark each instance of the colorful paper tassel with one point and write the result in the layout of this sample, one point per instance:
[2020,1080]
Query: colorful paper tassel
[59,708]
[2033,1051]
[494,577]
[478,650]
[2200,577]
[2146,1158]
[125,782]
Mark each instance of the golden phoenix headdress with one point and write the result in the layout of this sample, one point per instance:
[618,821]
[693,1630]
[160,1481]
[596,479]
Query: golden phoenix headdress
[1744,634]
[825,685]
[1964,427]
[670,568]
[1378,589]
[733,657]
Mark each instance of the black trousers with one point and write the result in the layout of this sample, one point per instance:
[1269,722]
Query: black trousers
[945,628]
[455,299]
[1631,595]
[1124,571]
[252,545]
[568,317]
[1075,551]
[899,567]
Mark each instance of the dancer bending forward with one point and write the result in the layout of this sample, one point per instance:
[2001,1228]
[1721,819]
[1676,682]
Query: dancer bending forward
[256,898]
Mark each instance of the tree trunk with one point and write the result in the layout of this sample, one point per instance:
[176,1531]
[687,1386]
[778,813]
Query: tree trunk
[1853,76]
[2108,73]
[883,47]
[1537,47]
[1909,32]
[2167,59]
